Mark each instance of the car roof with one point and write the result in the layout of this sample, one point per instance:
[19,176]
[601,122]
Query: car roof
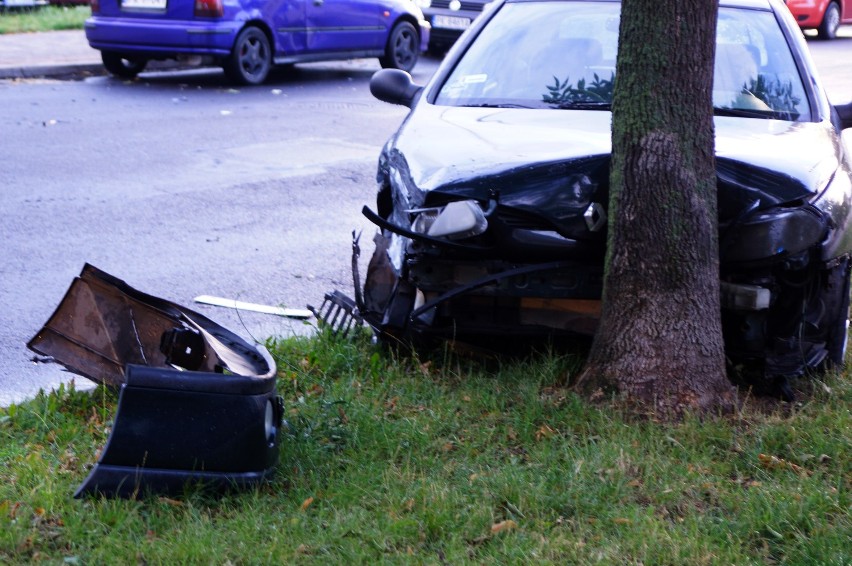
[763,4]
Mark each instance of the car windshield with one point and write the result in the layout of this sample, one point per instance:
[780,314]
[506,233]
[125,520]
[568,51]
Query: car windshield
[562,55]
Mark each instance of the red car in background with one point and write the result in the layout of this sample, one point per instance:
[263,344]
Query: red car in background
[825,16]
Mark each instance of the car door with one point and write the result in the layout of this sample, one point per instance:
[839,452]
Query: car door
[288,21]
[344,25]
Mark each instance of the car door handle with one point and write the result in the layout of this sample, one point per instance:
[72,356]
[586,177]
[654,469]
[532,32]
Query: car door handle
[319,2]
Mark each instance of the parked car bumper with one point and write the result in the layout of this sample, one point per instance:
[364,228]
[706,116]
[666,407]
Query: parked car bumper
[440,19]
[426,32]
[161,37]
[807,13]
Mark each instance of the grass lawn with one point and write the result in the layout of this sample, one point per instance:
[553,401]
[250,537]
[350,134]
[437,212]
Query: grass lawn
[405,460]
[44,18]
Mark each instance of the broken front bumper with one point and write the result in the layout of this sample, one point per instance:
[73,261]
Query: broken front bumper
[197,404]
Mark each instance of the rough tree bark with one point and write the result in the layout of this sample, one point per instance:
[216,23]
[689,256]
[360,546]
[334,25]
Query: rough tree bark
[659,342]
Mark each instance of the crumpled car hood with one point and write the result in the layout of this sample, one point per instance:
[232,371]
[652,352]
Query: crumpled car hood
[455,145]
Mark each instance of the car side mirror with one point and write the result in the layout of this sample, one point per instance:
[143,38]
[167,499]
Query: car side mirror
[395,87]
[844,111]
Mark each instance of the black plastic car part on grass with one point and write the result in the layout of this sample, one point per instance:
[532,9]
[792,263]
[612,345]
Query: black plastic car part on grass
[197,404]
[493,195]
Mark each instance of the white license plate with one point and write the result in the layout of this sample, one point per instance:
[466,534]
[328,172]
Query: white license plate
[450,22]
[144,4]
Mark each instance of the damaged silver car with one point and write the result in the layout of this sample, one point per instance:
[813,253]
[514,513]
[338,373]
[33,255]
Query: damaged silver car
[493,194]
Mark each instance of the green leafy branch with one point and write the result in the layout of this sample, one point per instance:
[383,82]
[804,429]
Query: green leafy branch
[561,92]
[776,94]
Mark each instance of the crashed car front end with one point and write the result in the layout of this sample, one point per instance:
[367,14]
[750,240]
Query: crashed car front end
[493,199]
[785,274]
[520,251]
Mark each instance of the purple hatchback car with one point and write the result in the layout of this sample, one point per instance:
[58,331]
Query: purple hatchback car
[247,37]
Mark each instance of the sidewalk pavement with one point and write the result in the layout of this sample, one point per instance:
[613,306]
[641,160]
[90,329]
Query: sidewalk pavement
[47,54]
[55,54]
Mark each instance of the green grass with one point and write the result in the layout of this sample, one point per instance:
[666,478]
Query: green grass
[400,460]
[45,18]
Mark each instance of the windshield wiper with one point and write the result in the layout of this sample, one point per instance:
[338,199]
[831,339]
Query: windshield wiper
[583,105]
[744,113]
[496,105]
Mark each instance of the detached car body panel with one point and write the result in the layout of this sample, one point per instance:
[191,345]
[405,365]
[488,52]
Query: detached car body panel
[493,193]
[130,32]
[174,428]
[197,404]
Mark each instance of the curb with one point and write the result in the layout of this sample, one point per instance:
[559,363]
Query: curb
[41,71]
[80,69]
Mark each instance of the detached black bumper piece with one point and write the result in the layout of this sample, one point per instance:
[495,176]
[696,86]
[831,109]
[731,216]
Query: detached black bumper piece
[174,428]
[197,404]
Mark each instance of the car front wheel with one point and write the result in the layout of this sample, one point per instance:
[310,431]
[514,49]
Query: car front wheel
[251,59]
[830,22]
[122,65]
[402,48]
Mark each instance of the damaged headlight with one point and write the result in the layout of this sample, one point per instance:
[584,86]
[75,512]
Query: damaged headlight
[454,221]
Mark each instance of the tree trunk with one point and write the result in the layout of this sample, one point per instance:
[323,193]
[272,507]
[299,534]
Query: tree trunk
[659,342]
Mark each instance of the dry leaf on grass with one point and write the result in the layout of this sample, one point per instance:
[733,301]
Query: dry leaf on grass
[544,431]
[507,525]
[776,463]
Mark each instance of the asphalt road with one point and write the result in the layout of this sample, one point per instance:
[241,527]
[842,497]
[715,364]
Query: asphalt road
[183,186]
[834,61]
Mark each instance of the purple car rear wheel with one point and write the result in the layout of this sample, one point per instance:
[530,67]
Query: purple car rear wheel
[251,59]
[121,65]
